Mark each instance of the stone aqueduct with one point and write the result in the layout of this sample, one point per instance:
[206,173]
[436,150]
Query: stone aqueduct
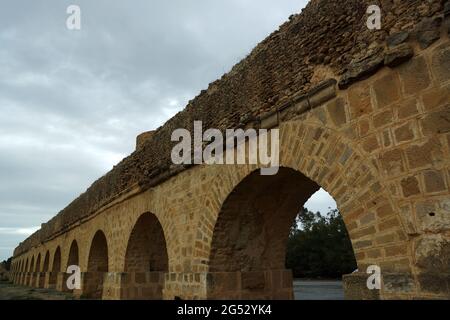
[369,124]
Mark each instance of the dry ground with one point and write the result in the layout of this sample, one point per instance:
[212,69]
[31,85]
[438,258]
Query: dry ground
[9,291]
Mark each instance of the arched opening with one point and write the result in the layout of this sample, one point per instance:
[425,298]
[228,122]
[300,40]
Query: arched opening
[45,267]
[73,254]
[32,265]
[97,267]
[25,273]
[56,267]
[31,277]
[38,263]
[248,252]
[319,250]
[146,260]
[38,280]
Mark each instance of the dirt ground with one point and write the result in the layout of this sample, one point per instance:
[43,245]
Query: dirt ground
[9,291]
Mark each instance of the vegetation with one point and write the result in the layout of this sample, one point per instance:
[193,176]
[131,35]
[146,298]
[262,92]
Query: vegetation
[6,264]
[319,246]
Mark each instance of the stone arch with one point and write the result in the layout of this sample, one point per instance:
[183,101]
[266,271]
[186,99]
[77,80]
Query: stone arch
[32,264]
[31,276]
[73,258]
[46,264]
[146,259]
[25,274]
[323,157]
[252,228]
[251,233]
[56,267]
[97,266]
[38,263]
[39,282]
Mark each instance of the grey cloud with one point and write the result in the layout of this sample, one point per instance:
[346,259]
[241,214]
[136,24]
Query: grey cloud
[72,102]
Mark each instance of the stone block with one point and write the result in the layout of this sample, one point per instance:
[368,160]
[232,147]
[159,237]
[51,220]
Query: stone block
[387,90]
[436,122]
[355,287]
[440,63]
[410,186]
[414,75]
[359,100]
[392,162]
[434,181]
[398,283]
[428,153]
[432,217]
[383,118]
[406,109]
[432,254]
[405,132]
[436,97]
[336,110]
[253,280]
[434,283]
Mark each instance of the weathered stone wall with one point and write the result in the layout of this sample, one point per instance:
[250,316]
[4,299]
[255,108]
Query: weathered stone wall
[377,138]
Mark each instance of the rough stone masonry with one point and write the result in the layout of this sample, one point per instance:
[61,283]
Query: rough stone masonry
[365,114]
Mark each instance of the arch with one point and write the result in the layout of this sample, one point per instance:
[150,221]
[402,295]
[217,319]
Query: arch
[31,276]
[73,258]
[38,264]
[146,258]
[45,266]
[56,267]
[32,264]
[251,232]
[97,266]
[25,273]
[38,280]
[253,225]
[318,156]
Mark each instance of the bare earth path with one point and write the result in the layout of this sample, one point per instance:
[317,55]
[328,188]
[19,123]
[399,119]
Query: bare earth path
[9,291]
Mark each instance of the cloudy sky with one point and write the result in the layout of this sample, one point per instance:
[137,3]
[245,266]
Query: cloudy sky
[72,102]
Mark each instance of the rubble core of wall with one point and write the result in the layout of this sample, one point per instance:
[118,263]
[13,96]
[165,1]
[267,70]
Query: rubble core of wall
[328,39]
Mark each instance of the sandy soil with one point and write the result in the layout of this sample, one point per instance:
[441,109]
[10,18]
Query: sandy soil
[9,291]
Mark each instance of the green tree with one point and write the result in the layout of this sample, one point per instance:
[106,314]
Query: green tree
[319,246]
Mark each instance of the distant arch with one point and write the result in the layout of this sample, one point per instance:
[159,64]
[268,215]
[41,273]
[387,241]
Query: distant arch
[38,263]
[146,257]
[56,267]
[45,267]
[73,258]
[97,266]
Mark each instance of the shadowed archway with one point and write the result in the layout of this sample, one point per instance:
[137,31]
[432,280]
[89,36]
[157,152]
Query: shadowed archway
[73,259]
[45,267]
[31,276]
[56,267]
[248,251]
[97,267]
[39,281]
[146,260]
[24,275]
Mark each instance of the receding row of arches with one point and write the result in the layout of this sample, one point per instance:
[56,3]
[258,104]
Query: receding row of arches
[249,240]
[146,254]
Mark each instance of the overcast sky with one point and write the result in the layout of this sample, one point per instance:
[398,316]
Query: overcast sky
[72,102]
